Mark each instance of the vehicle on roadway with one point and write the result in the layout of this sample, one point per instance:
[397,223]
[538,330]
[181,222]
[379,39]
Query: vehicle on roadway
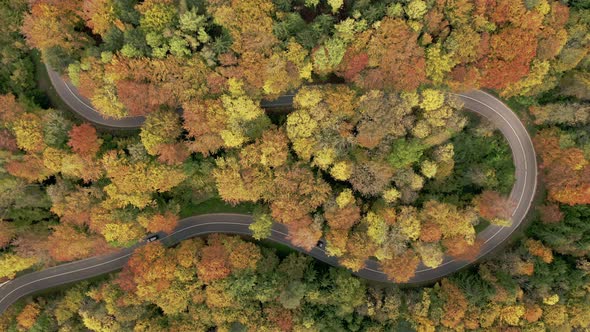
[152,238]
[478,102]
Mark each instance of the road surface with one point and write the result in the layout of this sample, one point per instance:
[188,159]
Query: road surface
[479,102]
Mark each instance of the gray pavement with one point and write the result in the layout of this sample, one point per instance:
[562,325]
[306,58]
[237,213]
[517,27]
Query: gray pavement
[478,102]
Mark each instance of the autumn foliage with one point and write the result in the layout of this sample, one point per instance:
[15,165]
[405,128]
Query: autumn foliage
[491,205]
[567,171]
[84,141]
[26,319]
[371,160]
[400,60]
[401,268]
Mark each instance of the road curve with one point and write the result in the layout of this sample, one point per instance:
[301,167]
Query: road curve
[479,102]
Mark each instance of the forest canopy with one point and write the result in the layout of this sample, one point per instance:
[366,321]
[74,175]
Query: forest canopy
[131,58]
[348,164]
[376,158]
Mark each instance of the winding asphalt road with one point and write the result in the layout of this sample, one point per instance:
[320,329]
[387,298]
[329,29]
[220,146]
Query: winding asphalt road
[478,102]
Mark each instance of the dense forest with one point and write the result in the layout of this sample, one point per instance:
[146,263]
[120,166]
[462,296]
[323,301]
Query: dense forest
[377,158]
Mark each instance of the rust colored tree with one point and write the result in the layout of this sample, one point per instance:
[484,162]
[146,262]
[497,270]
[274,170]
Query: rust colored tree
[84,141]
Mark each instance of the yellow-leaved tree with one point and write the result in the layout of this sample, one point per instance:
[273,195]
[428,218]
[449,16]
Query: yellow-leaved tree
[160,127]
[134,182]
[10,264]
[28,130]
